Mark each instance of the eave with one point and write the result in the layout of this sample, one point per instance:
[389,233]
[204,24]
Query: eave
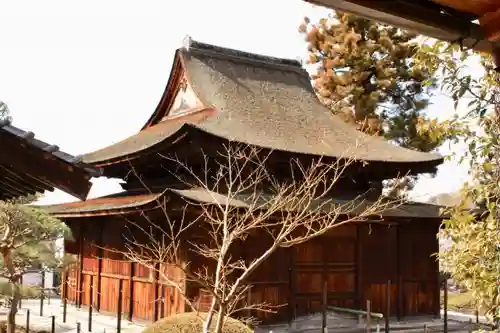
[29,166]
[132,203]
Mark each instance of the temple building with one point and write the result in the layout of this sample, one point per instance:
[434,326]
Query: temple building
[217,97]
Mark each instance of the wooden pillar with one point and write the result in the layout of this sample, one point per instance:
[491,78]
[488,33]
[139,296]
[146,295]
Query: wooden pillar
[156,293]
[437,291]
[358,275]
[324,273]
[399,273]
[131,291]
[100,254]
[80,268]
[292,284]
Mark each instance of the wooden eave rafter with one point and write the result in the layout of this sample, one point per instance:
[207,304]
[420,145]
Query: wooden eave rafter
[449,20]
[23,181]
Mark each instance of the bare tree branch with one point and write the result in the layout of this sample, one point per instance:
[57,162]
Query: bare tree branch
[235,195]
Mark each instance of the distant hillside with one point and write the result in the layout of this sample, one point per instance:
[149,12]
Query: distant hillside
[449,200]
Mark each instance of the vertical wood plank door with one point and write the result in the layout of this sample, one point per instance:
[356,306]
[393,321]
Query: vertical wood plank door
[330,259]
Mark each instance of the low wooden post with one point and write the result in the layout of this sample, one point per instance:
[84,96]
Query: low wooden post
[425,328]
[445,307]
[368,317]
[119,307]
[53,324]
[388,308]
[42,295]
[325,307]
[65,295]
[477,316]
[28,321]
[91,301]
[469,328]
[78,327]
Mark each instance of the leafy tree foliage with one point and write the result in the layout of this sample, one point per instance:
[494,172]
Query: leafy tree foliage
[368,74]
[27,240]
[474,256]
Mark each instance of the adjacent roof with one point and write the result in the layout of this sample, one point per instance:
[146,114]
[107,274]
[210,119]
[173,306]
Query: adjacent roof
[449,20]
[120,203]
[28,166]
[258,100]
[126,202]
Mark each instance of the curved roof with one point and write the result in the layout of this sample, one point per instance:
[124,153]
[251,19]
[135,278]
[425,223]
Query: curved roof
[262,101]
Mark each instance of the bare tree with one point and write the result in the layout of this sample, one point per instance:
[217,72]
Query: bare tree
[235,196]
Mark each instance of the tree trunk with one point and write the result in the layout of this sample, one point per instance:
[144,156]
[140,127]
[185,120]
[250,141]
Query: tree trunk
[220,319]
[11,317]
[210,316]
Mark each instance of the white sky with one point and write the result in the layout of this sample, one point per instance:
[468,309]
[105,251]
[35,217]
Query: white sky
[85,74]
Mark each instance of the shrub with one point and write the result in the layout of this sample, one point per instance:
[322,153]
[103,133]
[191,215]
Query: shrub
[192,322]
[27,291]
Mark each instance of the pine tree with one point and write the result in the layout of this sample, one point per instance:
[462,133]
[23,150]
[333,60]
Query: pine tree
[367,74]
[27,240]
[4,111]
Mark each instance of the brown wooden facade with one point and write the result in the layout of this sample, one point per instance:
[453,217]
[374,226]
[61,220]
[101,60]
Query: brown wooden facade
[355,261]
[217,97]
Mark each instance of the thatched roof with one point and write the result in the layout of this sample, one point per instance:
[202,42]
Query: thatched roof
[257,100]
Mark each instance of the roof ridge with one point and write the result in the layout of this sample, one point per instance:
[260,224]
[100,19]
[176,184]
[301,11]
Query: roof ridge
[195,47]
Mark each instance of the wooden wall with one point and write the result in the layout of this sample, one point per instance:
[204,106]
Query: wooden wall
[354,262]
[145,295]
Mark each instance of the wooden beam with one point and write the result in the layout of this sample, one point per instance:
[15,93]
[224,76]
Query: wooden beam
[420,16]
[44,166]
[16,189]
[490,22]
[8,191]
[17,181]
[477,7]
